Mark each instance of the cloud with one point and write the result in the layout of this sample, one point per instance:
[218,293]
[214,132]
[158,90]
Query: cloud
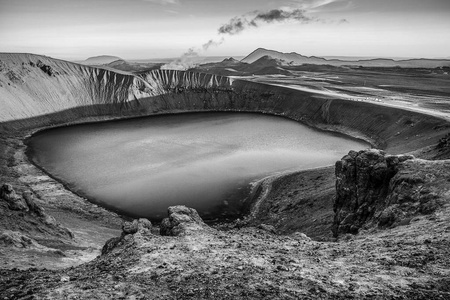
[235,25]
[315,6]
[278,15]
[238,24]
[174,12]
[163,2]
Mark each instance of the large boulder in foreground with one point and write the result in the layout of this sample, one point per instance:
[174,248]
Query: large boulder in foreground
[182,220]
[362,185]
[140,226]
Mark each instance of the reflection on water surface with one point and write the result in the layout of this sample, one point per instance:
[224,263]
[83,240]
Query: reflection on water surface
[203,160]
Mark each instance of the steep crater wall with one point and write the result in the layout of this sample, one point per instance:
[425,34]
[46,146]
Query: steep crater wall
[38,91]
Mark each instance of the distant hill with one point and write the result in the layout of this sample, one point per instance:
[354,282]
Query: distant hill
[133,67]
[115,63]
[100,60]
[263,66]
[295,59]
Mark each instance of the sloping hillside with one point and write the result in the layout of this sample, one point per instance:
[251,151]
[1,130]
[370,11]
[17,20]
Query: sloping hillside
[33,85]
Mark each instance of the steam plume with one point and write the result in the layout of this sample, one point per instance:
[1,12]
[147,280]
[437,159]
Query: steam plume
[186,61]
[238,24]
[212,43]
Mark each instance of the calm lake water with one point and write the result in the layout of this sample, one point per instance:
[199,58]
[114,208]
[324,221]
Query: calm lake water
[141,166]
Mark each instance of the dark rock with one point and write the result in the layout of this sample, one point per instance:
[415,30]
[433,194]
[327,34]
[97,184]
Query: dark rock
[7,193]
[444,143]
[45,68]
[14,77]
[182,220]
[282,268]
[362,185]
[389,216]
[165,227]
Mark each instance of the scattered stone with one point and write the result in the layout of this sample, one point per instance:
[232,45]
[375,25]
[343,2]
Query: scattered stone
[282,268]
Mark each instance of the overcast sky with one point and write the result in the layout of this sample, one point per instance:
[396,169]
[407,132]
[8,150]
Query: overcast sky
[140,29]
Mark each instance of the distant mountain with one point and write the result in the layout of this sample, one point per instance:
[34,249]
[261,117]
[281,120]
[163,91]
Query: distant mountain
[100,60]
[228,66]
[286,58]
[266,65]
[116,64]
[295,59]
[263,66]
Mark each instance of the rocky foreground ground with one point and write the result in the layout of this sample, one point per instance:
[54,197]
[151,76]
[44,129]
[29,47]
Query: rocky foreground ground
[391,240]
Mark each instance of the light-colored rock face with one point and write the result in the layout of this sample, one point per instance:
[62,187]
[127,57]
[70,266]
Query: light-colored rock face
[32,85]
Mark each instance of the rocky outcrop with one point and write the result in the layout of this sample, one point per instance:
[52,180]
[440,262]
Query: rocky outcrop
[362,185]
[31,203]
[140,226]
[17,240]
[8,194]
[26,215]
[182,220]
[418,188]
[375,189]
